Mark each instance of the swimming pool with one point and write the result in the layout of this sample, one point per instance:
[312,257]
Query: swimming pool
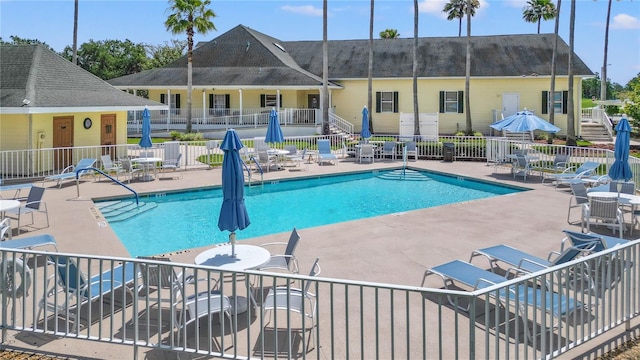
[189,219]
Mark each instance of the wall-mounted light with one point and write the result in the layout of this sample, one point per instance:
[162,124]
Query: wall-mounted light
[26,102]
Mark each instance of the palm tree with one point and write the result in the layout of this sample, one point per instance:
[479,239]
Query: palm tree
[325,72]
[190,16]
[389,34]
[456,9]
[370,82]
[552,88]
[416,113]
[467,77]
[538,10]
[603,76]
[571,131]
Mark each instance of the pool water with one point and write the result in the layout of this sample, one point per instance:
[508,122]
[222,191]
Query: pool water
[190,219]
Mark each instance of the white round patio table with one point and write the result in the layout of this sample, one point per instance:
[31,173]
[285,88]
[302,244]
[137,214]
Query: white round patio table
[8,205]
[247,257]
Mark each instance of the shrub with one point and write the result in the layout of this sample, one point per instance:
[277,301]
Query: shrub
[175,135]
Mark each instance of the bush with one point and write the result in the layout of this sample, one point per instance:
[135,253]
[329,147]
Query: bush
[175,135]
[191,136]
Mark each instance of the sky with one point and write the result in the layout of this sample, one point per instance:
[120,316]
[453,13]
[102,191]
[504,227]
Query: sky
[142,21]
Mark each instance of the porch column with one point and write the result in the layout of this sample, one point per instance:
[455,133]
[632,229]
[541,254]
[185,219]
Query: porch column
[278,99]
[241,117]
[204,102]
[169,106]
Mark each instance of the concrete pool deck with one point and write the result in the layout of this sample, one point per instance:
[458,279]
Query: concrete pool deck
[395,248]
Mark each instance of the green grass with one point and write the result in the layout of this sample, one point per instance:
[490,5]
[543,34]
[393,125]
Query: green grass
[587,103]
[136,141]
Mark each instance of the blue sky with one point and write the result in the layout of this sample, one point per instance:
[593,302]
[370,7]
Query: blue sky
[143,22]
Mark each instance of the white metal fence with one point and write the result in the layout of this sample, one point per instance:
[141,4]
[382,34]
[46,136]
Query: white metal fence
[351,319]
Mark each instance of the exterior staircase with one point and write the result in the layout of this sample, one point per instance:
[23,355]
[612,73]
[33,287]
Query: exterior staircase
[120,210]
[593,131]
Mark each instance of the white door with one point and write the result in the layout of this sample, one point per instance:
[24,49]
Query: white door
[510,104]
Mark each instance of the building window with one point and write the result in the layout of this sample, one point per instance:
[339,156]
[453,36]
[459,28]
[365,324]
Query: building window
[386,101]
[451,101]
[219,104]
[558,103]
[269,101]
[175,103]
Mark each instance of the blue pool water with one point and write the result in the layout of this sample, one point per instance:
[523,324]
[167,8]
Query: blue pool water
[190,219]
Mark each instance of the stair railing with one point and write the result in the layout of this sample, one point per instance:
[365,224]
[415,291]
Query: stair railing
[341,124]
[108,176]
[252,158]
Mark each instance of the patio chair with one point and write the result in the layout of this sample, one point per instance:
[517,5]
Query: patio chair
[603,210]
[69,173]
[559,164]
[521,167]
[521,294]
[171,164]
[300,301]
[265,160]
[411,150]
[578,199]
[286,261]
[626,187]
[30,242]
[572,174]
[299,158]
[72,284]
[366,153]
[5,230]
[34,204]
[324,152]
[129,169]
[109,167]
[389,149]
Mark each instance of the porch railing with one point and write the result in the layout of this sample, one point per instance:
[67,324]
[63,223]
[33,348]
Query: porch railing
[351,319]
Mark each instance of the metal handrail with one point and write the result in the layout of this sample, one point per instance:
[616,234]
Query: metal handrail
[252,158]
[108,176]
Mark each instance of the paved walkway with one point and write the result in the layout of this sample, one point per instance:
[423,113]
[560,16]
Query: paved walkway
[395,248]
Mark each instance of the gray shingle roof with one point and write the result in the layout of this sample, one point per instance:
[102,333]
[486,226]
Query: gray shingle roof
[499,55]
[47,80]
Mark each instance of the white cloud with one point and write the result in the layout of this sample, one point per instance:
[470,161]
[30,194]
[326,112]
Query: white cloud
[624,21]
[303,10]
[518,4]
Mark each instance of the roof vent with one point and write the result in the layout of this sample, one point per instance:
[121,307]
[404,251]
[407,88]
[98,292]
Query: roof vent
[280,47]
[247,49]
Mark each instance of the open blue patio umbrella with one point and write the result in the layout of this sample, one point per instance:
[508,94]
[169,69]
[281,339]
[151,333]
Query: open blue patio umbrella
[233,214]
[274,132]
[365,133]
[620,170]
[524,121]
[145,140]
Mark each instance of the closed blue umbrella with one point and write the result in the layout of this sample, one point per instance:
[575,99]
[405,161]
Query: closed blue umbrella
[365,133]
[620,170]
[274,132]
[145,140]
[233,214]
[524,121]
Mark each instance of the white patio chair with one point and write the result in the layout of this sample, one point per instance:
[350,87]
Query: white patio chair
[603,210]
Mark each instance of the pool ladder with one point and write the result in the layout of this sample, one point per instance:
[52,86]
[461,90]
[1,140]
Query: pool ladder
[248,169]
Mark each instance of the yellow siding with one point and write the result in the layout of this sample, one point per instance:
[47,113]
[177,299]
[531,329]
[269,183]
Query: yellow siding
[486,96]
[250,98]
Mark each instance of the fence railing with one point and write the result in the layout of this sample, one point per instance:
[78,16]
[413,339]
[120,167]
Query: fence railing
[175,119]
[131,304]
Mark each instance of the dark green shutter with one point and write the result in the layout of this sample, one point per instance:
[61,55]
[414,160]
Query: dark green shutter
[227,101]
[263,100]
[395,101]
[177,101]
[163,99]
[378,101]
[545,102]
[210,101]
[460,102]
[442,102]
[280,102]
[565,98]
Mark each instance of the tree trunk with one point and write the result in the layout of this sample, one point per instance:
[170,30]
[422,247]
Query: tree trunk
[571,131]
[603,76]
[325,72]
[552,87]
[74,56]
[467,78]
[416,112]
[189,77]
[370,82]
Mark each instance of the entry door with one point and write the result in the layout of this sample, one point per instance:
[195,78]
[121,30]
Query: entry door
[108,134]
[62,139]
[313,102]
[510,103]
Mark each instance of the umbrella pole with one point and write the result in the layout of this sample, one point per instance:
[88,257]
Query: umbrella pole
[232,240]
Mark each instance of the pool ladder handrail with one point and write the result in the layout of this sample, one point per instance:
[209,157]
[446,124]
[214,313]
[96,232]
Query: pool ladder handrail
[108,176]
[251,158]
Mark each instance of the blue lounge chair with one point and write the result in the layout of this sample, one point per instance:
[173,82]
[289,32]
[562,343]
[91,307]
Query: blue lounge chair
[69,172]
[70,282]
[477,278]
[30,242]
[599,242]
[527,263]
[324,152]
[569,175]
